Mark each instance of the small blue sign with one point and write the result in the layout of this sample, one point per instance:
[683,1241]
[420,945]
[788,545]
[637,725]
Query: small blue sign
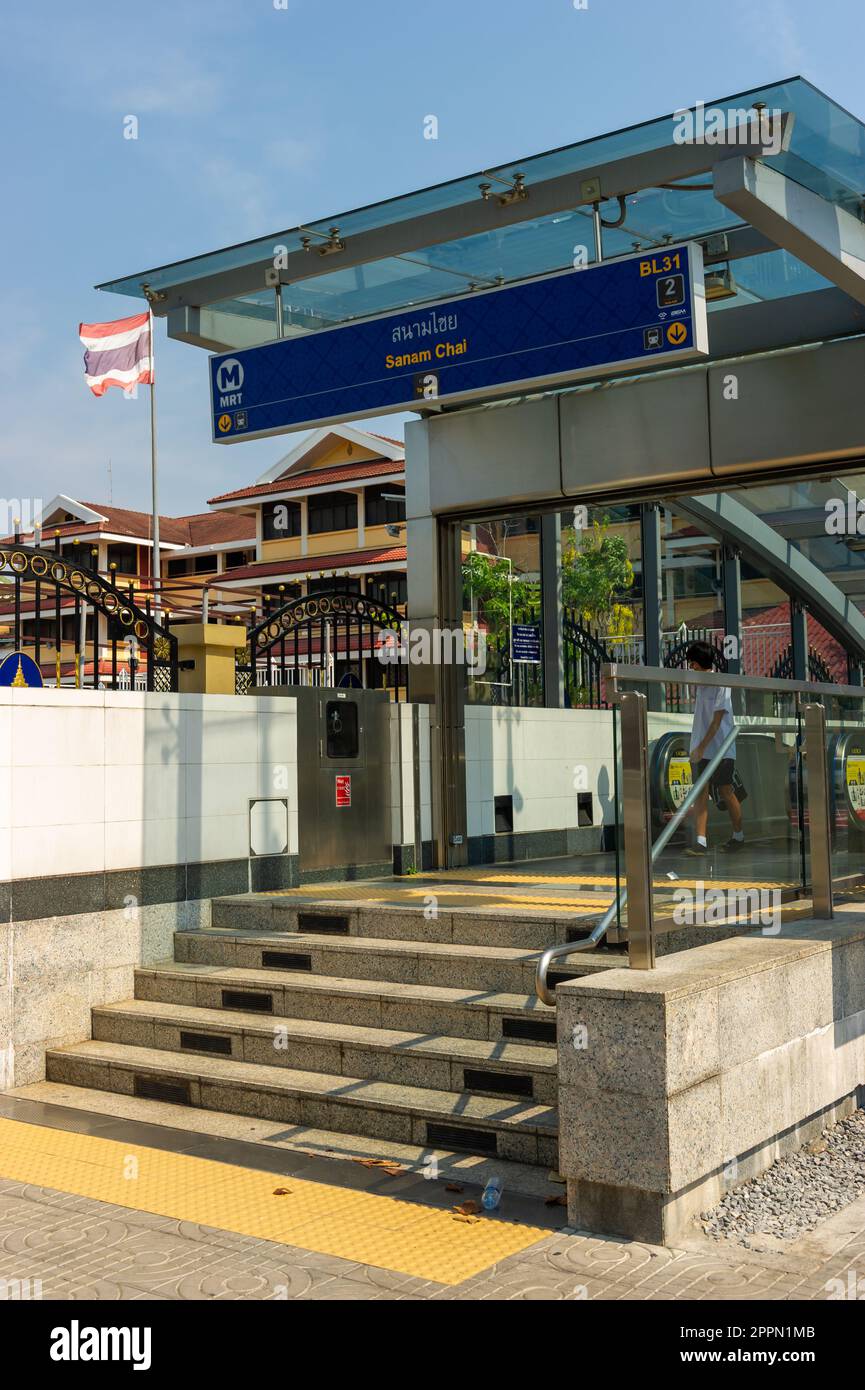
[20,669]
[526,642]
[621,314]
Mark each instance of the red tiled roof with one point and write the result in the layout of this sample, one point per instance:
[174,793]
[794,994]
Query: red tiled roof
[316,477]
[388,438]
[201,528]
[310,564]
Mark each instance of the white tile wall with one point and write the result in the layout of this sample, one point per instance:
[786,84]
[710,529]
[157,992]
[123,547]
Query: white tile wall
[93,779]
[532,755]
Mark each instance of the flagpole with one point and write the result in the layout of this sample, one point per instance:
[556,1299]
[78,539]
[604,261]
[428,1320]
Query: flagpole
[155,570]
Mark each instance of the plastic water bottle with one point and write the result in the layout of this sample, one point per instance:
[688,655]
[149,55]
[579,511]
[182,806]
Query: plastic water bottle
[492,1194]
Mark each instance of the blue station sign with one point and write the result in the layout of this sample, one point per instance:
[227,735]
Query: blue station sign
[600,320]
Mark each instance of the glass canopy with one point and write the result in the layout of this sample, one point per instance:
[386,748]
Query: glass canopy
[826,154]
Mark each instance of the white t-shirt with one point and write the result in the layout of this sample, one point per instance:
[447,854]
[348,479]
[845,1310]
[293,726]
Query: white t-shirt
[710,699]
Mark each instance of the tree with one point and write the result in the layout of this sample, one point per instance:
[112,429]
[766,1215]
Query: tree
[596,573]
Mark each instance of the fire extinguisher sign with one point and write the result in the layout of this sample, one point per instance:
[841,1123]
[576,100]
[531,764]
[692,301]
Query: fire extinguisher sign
[343,791]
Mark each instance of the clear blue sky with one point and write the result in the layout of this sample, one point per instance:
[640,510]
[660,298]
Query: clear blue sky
[252,119]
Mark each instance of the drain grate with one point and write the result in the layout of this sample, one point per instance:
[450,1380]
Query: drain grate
[322,923]
[529,1029]
[500,1083]
[206,1042]
[246,999]
[473,1141]
[154,1088]
[285,960]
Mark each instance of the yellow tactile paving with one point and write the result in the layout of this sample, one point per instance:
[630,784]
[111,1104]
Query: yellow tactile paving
[404,1236]
[609,881]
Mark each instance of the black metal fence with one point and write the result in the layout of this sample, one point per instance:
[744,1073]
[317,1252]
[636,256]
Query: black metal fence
[80,628]
[329,638]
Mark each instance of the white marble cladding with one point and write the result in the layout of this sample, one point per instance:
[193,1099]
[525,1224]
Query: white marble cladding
[98,780]
[402,774]
[540,757]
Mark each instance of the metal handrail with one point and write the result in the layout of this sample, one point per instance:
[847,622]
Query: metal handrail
[663,675]
[544,993]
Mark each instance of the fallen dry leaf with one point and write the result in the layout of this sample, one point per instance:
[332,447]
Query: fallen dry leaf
[559,1201]
[282,1192]
[467,1220]
[468,1208]
[453,1187]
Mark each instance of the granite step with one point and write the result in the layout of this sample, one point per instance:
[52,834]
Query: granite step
[523,929]
[413,1008]
[446,964]
[517,1070]
[520,1131]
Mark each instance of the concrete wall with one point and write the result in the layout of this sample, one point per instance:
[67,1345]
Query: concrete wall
[684,1081]
[121,814]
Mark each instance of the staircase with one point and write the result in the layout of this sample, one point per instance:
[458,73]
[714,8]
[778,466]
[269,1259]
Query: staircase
[360,1020]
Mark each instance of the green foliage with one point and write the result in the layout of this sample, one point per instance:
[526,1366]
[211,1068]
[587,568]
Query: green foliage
[596,573]
[497,591]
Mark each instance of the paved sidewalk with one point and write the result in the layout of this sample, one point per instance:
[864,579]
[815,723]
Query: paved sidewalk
[84,1249]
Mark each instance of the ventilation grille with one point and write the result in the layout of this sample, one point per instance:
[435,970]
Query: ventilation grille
[322,924]
[473,1141]
[245,999]
[206,1042]
[558,977]
[285,960]
[499,1083]
[529,1029]
[154,1088]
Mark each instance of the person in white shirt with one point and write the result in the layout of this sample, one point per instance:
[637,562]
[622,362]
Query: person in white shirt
[713,722]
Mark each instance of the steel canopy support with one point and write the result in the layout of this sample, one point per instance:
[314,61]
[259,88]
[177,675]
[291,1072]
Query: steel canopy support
[826,237]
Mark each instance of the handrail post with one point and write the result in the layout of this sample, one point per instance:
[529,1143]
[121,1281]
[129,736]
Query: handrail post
[819,809]
[637,830]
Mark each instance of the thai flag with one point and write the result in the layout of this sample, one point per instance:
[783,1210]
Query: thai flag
[117,354]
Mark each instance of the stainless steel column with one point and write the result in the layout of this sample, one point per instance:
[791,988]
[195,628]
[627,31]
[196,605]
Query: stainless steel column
[819,809]
[551,602]
[637,830]
[650,553]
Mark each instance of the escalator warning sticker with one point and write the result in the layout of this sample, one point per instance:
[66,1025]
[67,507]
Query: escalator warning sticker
[679,779]
[854,773]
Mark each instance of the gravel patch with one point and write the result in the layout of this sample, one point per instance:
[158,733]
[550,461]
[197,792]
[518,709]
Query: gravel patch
[798,1192]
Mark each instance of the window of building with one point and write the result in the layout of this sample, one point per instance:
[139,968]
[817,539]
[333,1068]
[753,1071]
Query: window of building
[280,520]
[389,588]
[284,595]
[332,511]
[237,557]
[125,557]
[334,583]
[204,564]
[380,511]
[176,567]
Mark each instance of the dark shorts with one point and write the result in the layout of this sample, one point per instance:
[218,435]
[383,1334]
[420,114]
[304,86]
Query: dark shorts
[723,774]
